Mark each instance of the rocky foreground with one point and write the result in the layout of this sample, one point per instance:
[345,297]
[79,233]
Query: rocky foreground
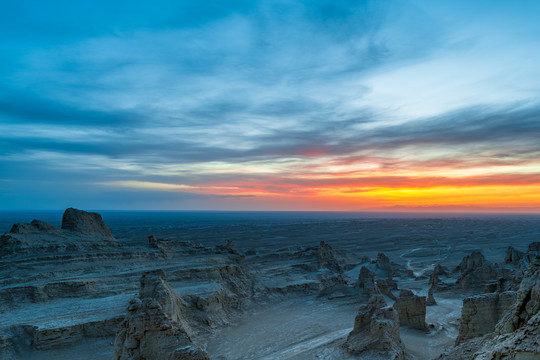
[76,292]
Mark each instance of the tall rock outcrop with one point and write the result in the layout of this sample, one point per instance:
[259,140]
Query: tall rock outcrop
[527,303]
[475,271]
[519,328]
[366,282]
[411,310]
[383,263]
[155,326]
[89,223]
[480,314]
[517,334]
[430,301]
[513,256]
[376,332]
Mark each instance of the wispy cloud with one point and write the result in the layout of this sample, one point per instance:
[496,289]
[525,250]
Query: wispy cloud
[255,99]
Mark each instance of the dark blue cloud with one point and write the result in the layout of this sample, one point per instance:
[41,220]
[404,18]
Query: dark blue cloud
[97,91]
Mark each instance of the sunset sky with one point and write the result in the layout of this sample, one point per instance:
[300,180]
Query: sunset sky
[270,105]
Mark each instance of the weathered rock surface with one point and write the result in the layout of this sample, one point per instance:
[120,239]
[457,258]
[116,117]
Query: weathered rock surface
[376,332]
[155,326]
[517,334]
[326,258]
[430,301]
[522,344]
[475,271]
[80,231]
[513,256]
[366,282]
[527,303]
[411,310]
[385,287]
[84,222]
[519,328]
[35,227]
[383,263]
[480,314]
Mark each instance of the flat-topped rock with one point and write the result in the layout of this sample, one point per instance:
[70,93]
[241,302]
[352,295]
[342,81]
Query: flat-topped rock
[411,310]
[480,313]
[84,222]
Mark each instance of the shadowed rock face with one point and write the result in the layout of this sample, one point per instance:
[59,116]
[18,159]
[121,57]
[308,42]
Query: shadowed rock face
[376,331]
[481,313]
[386,285]
[430,298]
[411,310]
[155,326]
[36,226]
[517,334]
[475,271]
[513,256]
[326,258]
[366,281]
[89,223]
[470,262]
[519,328]
[383,263]
[527,304]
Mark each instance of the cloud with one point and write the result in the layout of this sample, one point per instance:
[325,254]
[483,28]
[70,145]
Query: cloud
[274,97]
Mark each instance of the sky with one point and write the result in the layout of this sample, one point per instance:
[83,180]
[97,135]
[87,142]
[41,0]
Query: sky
[331,105]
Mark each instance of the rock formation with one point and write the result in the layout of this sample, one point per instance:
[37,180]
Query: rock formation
[411,310]
[513,256]
[475,271]
[376,332]
[366,282]
[430,301]
[519,329]
[534,248]
[383,263]
[155,326]
[527,303]
[480,313]
[385,286]
[89,223]
[517,334]
[155,242]
[35,227]
[434,284]
[80,231]
[326,258]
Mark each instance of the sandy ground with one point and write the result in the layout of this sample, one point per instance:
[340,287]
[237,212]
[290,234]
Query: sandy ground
[311,328]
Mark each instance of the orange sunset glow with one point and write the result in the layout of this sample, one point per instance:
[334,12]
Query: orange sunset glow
[332,106]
